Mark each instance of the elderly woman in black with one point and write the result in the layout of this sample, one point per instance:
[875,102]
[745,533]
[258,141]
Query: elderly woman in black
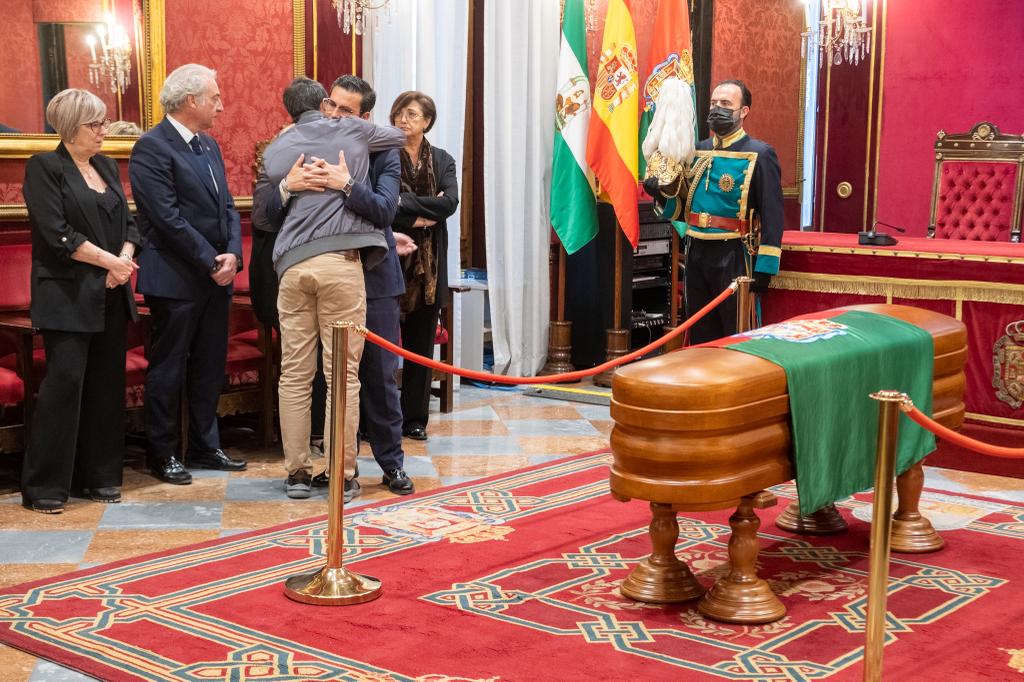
[429,195]
[83,245]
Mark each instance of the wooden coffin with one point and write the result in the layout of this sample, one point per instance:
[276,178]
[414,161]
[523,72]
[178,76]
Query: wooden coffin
[700,428]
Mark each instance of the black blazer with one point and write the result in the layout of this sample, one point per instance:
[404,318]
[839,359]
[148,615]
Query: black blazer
[411,206]
[185,219]
[68,295]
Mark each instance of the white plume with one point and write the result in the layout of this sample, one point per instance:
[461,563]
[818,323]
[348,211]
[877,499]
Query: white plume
[671,130]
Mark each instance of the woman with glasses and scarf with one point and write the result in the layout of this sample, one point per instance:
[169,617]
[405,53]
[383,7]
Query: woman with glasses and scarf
[429,195]
[83,245]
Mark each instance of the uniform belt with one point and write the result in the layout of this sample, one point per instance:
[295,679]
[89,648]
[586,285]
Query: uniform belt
[350,255]
[718,222]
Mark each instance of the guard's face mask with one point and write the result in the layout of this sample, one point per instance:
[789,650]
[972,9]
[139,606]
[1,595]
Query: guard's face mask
[723,121]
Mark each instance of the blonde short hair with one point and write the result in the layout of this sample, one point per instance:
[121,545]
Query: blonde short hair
[124,128]
[71,108]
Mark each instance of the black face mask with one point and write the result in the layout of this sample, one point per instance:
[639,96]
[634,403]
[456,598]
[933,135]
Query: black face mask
[722,122]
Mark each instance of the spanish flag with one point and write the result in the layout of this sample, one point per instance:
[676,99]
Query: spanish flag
[612,147]
[671,57]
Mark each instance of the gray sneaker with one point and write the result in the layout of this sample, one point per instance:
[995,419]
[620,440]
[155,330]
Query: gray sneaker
[298,484]
[352,489]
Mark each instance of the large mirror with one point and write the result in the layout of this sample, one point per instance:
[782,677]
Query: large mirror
[113,48]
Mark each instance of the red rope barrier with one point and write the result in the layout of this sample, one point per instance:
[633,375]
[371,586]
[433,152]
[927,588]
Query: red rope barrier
[551,378]
[953,437]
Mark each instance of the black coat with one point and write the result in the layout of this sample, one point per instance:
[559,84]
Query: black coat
[68,295]
[411,206]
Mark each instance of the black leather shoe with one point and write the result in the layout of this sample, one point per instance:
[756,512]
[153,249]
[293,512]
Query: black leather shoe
[416,433]
[216,460]
[398,482]
[170,471]
[45,506]
[107,494]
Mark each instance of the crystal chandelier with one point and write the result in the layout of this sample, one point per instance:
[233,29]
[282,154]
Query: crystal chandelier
[843,33]
[112,67]
[355,14]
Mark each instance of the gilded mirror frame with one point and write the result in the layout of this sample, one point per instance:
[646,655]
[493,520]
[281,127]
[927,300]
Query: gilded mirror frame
[151,79]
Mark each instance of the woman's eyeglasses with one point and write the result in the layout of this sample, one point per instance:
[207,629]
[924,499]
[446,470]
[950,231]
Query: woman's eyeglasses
[97,126]
[408,115]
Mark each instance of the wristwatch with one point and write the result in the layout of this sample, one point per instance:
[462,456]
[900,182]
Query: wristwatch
[347,189]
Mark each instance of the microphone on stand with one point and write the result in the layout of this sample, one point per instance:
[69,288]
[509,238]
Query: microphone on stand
[872,238]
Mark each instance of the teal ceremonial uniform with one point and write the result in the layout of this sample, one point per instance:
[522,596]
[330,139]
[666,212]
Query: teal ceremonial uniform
[732,211]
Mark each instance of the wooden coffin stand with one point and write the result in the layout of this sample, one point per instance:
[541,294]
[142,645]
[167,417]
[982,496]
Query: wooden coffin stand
[709,428]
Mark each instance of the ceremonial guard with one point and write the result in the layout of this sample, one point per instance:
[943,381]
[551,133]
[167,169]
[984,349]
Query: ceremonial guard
[726,189]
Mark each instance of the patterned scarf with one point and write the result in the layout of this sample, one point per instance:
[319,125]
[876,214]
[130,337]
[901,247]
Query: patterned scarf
[419,267]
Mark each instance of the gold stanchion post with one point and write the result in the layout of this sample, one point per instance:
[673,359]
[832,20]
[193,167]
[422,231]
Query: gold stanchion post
[745,314]
[334,585]
[881,527]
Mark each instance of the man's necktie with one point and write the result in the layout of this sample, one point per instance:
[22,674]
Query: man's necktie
[197,149]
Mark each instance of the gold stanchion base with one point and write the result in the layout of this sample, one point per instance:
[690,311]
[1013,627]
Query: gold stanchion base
[825,521]
[914,534]
[661,584]
[747,603]
[332,587]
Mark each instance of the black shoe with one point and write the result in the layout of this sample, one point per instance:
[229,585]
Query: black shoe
[44,505]
[398,482]
[321,480]
[298,484]
[416,433]
[170,471]
[107,494]
[216,460]
[352,489]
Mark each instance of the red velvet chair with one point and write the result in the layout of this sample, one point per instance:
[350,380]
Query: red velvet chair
[978,188]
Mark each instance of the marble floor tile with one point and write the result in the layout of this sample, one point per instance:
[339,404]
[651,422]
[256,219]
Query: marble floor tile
[473,445]
[246,515]
[16,574]
[596,412]
[45,671]
[37,547]
[78,515]
[16,665]
[456,480]
[478,465]
[561,445]
[199,515]
[151,490]
[263,469]
[467,427]
[482,412]
[113,545]
[550,427]
[537,409]
[604,427]
[970,483]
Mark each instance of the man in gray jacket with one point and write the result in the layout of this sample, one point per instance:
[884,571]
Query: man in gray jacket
[317,258]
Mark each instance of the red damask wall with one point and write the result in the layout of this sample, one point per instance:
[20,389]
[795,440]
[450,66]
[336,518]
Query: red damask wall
[759,43]
[21,107]
[249,43]
[945,69]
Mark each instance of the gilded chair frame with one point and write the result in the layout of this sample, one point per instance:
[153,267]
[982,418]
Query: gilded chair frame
[982,143]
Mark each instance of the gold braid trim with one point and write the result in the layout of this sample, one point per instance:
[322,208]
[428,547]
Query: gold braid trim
[349,324]
[893,287]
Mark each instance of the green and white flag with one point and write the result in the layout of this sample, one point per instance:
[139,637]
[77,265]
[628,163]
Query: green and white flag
[573,205]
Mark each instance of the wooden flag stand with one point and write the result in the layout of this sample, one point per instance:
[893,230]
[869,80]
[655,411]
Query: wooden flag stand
[616,339]
[560,332]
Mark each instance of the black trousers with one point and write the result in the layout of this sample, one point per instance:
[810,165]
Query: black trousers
[189,347]
[419,329]
[380,410]
[711,266]
[77,438]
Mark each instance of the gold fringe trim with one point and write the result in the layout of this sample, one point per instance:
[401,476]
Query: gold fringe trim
[973,416]
[893,287]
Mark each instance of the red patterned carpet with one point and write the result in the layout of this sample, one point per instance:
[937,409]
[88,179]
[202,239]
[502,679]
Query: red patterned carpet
[515,578]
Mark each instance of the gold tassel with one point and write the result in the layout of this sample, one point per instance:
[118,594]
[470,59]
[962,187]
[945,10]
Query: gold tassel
[891,287]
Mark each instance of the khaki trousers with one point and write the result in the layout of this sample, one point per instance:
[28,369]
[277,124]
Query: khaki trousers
[314,294]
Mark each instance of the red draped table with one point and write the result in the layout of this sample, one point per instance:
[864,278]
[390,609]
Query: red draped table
[980,283]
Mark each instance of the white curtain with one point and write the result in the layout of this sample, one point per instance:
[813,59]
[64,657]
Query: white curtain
[423,47]
[520,64]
